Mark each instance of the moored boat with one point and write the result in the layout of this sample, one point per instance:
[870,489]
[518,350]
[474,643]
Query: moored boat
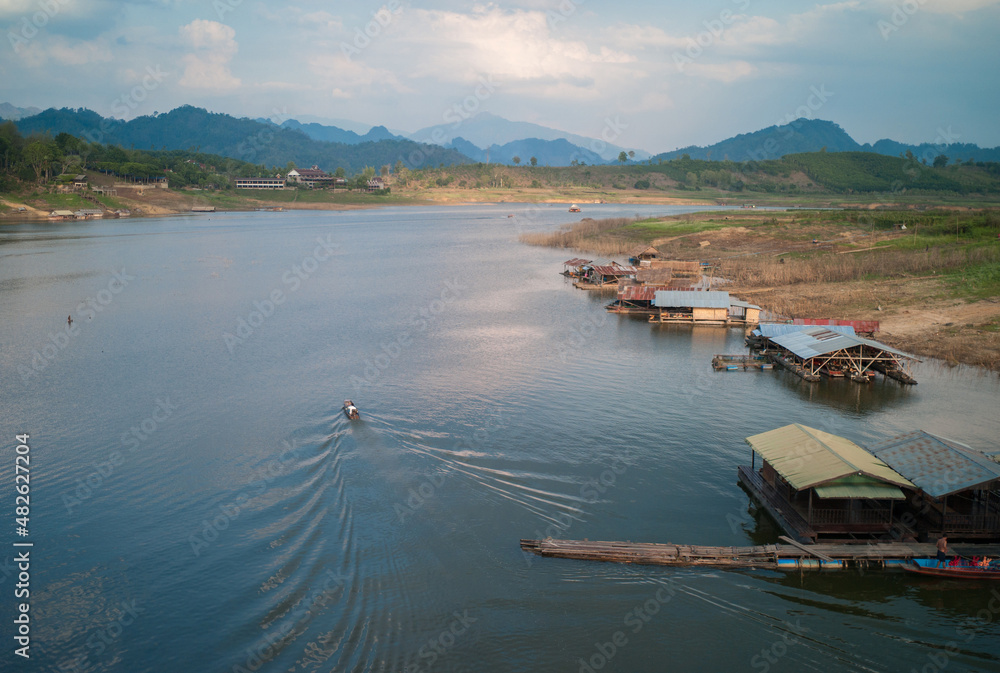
[964,570]
[351,411]
[574,208]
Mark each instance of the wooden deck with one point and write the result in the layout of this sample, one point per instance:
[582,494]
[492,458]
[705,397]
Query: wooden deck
[773,556]
[780,510]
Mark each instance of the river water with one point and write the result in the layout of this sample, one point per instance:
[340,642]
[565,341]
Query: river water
[200,503]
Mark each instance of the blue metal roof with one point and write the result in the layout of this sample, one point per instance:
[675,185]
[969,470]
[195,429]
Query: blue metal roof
[689,299]
[938,466]
[771,329]
[812,342]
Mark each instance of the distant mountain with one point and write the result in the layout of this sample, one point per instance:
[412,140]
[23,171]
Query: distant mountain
[954,151]
[812,135]
[559,152]
[332,134]
[486,129]
[8,111]
[189,127]
[802,135]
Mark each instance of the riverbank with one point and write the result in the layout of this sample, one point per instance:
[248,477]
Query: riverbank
[929,277]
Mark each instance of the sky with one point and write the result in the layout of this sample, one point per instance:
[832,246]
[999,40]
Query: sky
[647,75]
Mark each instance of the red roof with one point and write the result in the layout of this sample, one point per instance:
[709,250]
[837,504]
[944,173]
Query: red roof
[639,292]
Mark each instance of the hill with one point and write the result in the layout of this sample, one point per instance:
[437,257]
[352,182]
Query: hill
[12,112]
[244,139]
[559,152]
[802,135]
[333,134]
[486,129]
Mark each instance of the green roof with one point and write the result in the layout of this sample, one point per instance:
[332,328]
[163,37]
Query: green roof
[807,458]
[859,487]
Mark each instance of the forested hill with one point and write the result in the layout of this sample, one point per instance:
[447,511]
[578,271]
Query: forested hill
[191,128]
[814,135]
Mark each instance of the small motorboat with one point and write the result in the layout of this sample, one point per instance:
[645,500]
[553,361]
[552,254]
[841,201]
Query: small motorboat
[963,570]
[351,410]
[574,208]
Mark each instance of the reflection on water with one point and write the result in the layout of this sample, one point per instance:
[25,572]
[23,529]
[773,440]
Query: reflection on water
[510,407]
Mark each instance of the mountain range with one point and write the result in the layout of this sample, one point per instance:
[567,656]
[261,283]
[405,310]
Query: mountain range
[492,139]
[245,139]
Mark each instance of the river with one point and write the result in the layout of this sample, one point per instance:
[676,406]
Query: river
[199,502]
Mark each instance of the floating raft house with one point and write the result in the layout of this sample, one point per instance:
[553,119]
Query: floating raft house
[815,483]
[812,351]
[702,307]
[957,484]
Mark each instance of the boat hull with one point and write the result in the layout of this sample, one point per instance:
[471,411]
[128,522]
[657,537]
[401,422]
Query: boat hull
[928,567]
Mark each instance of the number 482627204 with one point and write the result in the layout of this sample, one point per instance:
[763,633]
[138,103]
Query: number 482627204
[22,484]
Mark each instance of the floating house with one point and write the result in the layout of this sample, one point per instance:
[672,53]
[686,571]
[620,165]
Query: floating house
[816,484]
[767,330]
[811,351]
[599,277]
[635,300]
[957,485]
[703,308]
[574,267]
[643,255]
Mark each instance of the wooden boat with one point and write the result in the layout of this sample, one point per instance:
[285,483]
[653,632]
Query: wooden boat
[351,411]
[926,566]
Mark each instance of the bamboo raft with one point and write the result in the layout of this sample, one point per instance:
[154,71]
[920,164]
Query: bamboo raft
[793,368]
[737,362]
[791,555]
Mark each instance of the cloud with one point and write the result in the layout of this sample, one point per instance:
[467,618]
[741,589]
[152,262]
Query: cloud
[207,67]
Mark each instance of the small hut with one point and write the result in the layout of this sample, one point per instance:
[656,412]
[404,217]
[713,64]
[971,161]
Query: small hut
[643,255]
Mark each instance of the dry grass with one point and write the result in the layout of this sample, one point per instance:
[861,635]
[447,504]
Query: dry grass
[586,236]
[761,271]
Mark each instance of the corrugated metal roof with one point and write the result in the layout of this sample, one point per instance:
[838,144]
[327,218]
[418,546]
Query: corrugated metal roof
[811,342]
[938,466]
[743,304]
[576,262]
[806,457]
[675,299]
[860,487]
[771,329]
[614,270]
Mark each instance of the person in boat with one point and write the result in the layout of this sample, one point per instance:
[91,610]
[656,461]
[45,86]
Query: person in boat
[942,551]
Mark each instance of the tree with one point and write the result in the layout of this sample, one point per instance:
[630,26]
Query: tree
[516,160]
[339,173]
[534,161]
[631,154]
[622,157]
[940,161]
[38,156]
